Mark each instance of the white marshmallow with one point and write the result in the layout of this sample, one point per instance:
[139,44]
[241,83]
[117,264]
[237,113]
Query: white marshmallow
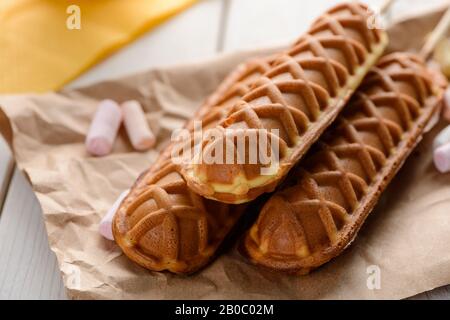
[441,157]
[105,227]
[104,128]
[138,130]
[442,138]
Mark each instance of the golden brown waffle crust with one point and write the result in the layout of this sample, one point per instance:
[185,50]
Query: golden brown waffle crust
[242,188]
[251,246]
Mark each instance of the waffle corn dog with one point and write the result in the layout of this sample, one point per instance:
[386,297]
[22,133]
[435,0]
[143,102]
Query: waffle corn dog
[300,96]
[161,224]
[338,184]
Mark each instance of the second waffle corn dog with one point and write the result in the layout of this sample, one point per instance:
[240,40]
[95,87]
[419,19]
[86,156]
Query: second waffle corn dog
[300,96]
[338,184]
[161,224]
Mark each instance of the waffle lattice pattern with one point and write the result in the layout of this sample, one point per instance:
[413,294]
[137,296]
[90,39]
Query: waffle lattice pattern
[162,225]
[300,96]
[340,180]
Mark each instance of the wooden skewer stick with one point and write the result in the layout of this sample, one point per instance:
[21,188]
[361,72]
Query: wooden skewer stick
[439,31]
[386,5]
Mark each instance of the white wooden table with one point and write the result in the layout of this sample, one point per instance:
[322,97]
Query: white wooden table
[28,268]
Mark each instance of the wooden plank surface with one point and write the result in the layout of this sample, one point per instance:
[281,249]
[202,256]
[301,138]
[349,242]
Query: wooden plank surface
[27,266]
[6,167]
[263,23]
[190,36]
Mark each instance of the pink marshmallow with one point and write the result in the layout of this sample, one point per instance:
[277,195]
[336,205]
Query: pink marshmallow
[139,132]
[105,227]
[104,128]
[442,138]
[441,158]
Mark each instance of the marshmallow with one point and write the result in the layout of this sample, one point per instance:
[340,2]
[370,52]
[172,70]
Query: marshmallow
[441,157]
[139,132]
[105,227]
[104,128]
[442,138]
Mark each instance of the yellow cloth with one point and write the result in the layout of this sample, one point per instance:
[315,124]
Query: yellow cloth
[38,52]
